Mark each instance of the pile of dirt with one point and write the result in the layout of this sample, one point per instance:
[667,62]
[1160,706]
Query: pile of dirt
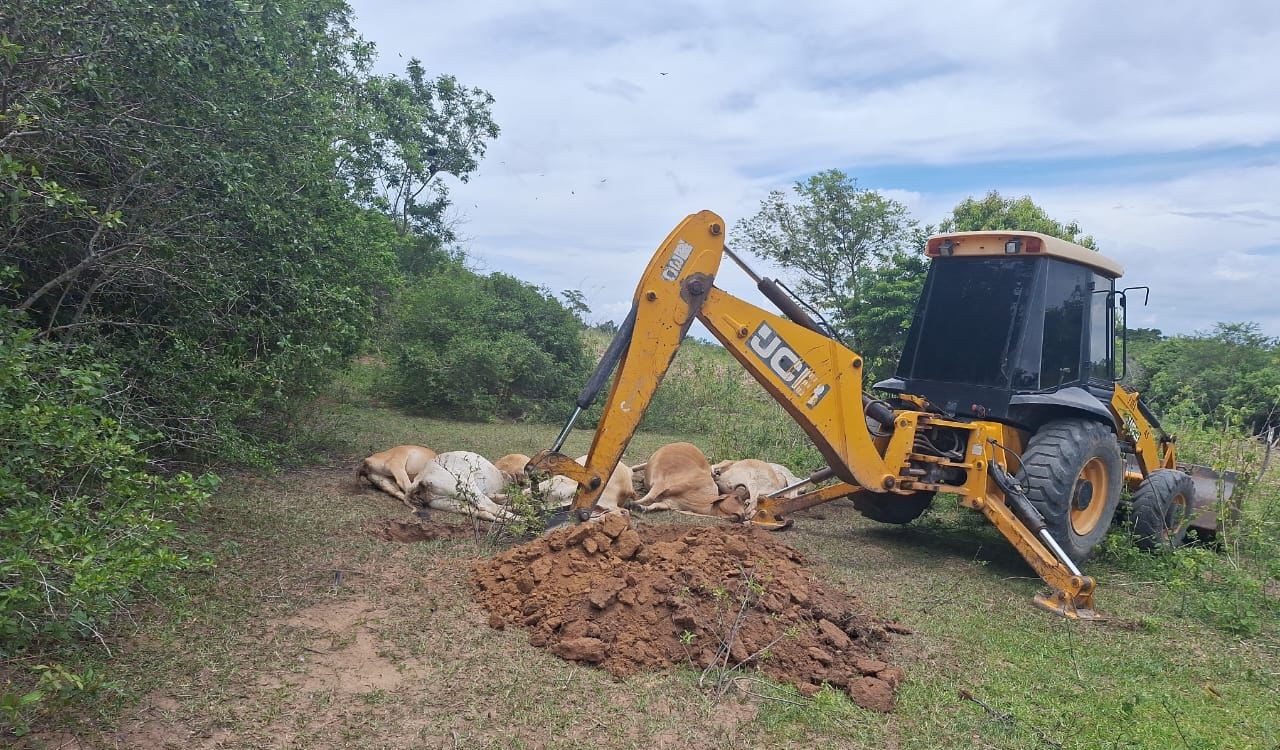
[399,530]
[648,597]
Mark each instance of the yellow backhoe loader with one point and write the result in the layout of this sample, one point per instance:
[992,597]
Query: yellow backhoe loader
[1007,395]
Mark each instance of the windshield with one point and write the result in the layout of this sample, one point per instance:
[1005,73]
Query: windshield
[969,320]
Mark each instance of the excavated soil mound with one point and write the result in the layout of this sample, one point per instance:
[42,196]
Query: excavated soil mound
[648,597]
[397,530]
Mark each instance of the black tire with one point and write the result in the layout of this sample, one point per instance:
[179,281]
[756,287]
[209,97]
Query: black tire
[1067,464]
[1162,509]
[890,508]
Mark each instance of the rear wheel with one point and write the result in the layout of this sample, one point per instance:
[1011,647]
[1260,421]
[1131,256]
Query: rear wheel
[890,508]
[1162,507]
[1072,470]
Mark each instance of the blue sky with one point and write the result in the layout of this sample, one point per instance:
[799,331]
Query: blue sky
[1156,126]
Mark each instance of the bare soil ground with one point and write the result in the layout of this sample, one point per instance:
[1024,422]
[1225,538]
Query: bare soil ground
[311,630]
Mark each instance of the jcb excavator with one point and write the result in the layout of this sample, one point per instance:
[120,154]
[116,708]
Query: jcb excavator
[1006,395]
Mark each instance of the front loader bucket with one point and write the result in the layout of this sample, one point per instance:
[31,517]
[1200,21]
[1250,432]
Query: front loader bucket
[1214,490]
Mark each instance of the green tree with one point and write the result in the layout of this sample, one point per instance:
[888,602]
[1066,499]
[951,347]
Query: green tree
[831,233]
[192,190]
[420,129]
[480,347]
[1233,367]
[994,211]
[576,303]
[889,299]
[84,525]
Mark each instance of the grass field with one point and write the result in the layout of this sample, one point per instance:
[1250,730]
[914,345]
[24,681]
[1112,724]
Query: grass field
[306,632]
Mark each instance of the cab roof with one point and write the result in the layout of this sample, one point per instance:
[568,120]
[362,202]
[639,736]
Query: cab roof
[993,242]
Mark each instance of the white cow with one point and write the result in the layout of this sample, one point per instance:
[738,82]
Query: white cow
[619,491]
[462,482]
[750,479]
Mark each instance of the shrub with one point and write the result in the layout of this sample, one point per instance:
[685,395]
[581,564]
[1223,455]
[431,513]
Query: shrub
[480,347]
[84,525]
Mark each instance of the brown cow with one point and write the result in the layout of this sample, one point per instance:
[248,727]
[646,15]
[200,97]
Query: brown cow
[512,468]
[680,479]
[402,464]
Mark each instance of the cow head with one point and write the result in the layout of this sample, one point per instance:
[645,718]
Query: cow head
[734,504]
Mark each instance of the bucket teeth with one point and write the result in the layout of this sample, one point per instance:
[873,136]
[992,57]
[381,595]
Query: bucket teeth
[1077,608]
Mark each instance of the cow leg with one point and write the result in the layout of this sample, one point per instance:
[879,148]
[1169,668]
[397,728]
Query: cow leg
[387,486]
[652,496]
[454,505]
[402,477]
[450,505]
[497,512]
[657,505]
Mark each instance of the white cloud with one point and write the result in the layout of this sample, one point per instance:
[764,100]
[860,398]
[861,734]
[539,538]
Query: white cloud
[601,154]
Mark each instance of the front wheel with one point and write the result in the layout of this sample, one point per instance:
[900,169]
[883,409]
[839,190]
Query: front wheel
[1162,507]
[1072,470]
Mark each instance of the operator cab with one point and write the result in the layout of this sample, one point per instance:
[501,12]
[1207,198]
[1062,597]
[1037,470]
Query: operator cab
[1014,326]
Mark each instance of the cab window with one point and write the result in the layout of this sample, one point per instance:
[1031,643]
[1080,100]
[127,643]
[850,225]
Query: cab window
[1065,296]
[1101,330]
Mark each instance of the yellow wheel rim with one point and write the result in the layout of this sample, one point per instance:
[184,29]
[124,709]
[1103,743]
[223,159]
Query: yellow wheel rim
[1085,519]
[1177,515]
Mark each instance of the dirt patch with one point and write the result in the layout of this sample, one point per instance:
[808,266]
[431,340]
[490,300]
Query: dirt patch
[628,599]
[406,532]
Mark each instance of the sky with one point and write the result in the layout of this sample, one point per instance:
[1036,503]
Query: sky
[1155,125]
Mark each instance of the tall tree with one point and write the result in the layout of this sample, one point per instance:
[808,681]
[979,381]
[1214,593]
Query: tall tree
[421,129]
[190,190]
[891,290]
[831,233]
[994,211]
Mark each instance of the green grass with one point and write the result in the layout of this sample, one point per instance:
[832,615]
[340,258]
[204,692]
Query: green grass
[228,665]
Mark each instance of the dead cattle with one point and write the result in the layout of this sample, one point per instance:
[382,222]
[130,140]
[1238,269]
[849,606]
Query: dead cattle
[750,479]
[462,482]
[512,468]
[619,491]
[679,478]
[393,471]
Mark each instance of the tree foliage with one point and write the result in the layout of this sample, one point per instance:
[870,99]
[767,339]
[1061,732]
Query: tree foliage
[190,190]
[84,525]
[418,129]
[192,241]
[833,234]
[994,211]
[479,347]
[890,291]
[1232,368]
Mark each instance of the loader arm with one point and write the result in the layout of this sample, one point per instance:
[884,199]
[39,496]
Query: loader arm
[819,383]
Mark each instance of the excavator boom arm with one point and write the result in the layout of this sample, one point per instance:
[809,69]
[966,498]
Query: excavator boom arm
[816,379]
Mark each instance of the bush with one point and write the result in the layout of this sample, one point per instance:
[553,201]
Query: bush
[172,183]
[84,526]
[1233,368]
[480,347]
